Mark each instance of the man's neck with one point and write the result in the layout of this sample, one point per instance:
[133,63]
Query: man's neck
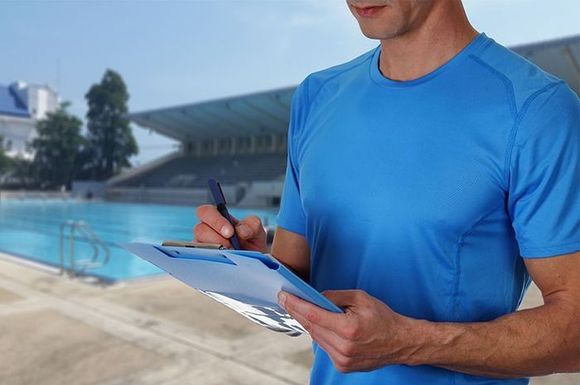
[416,53]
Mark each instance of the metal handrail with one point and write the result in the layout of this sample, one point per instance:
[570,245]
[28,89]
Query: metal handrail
[86,232]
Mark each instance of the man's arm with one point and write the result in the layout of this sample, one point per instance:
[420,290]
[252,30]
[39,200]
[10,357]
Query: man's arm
[292,250]
[530,342]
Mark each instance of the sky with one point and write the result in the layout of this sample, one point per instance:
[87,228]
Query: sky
[179,52]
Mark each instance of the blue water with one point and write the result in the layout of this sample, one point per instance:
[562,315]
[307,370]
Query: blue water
[30,229]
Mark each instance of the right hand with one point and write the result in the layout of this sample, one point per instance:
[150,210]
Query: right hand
[213,228]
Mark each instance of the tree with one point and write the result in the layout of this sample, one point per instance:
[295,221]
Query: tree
[20,174]
[4,159]
[110,139]
[56,147]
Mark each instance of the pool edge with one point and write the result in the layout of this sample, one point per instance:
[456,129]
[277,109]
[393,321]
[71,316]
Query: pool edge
[47,267]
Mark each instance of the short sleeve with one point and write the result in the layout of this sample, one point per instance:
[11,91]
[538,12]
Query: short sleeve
[291,215]
[544,195]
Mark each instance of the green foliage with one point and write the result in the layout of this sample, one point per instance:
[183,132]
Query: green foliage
[4,159]
[15,172]
[61,152]
[21,174]
[56,148]
[110,139]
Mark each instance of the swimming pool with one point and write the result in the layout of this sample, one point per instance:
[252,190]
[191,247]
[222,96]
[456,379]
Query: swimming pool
[30,229]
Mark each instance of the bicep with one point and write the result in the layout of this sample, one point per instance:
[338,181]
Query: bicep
[558,278]
[292,250]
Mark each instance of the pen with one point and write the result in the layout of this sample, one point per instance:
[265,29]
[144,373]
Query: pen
[220,202]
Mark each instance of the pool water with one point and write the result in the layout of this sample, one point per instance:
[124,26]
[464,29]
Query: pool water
[30,229]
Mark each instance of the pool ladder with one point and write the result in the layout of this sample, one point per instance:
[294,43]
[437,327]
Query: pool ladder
[85,233]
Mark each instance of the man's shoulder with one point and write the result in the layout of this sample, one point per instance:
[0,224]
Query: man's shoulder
[522,79]
[545,105]
[316,80]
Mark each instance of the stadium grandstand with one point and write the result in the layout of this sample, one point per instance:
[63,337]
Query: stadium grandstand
[241,141]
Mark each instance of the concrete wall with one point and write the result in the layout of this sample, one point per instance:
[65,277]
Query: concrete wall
[29,194]
[254,195]
[84,189]
[188,197]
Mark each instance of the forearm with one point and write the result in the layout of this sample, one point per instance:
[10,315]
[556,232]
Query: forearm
[303,273]
[292,251]
[526,343]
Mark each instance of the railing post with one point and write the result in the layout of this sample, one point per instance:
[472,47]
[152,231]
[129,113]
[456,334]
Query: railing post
[61,250]
[72,249]
[88,235]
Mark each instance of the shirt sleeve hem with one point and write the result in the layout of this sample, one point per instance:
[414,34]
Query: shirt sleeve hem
[549,251]
[292,227]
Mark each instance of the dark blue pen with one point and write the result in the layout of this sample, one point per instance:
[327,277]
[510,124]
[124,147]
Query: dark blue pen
[220,202]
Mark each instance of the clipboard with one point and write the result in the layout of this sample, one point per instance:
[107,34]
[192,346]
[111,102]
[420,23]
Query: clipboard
[246,281]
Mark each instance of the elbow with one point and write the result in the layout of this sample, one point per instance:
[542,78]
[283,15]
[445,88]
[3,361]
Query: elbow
[571,361]
[572,340]
[569,342]
[563,351]
[568,363]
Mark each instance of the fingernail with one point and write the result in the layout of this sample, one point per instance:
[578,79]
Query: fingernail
[226,232]
[281,299]
[244,231]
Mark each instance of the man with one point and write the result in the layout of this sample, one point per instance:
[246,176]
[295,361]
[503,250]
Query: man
[434,174]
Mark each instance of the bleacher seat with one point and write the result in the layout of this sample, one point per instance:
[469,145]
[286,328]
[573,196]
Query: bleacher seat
[189,172]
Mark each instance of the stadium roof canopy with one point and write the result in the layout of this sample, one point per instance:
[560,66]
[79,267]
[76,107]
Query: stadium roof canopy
[268,112]
[244,115]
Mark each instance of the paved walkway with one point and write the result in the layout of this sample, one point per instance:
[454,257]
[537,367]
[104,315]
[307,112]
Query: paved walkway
[56,331]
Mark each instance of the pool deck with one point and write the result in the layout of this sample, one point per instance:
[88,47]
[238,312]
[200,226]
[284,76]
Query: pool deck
[54,331]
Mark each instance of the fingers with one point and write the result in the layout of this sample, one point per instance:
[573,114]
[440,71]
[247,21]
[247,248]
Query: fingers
[339,359]
[203,233]
[338,349]
[214,228]
[316,331]
[249,228]
[299,308]
[209,215]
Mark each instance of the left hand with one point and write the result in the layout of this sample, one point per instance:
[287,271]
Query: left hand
[367,336]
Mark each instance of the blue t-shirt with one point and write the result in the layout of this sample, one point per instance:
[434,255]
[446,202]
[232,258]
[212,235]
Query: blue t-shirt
[427,193]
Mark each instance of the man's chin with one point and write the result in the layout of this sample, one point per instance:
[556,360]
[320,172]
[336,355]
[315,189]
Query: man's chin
[376,33]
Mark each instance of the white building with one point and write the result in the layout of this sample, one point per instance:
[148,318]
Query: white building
[21,106]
